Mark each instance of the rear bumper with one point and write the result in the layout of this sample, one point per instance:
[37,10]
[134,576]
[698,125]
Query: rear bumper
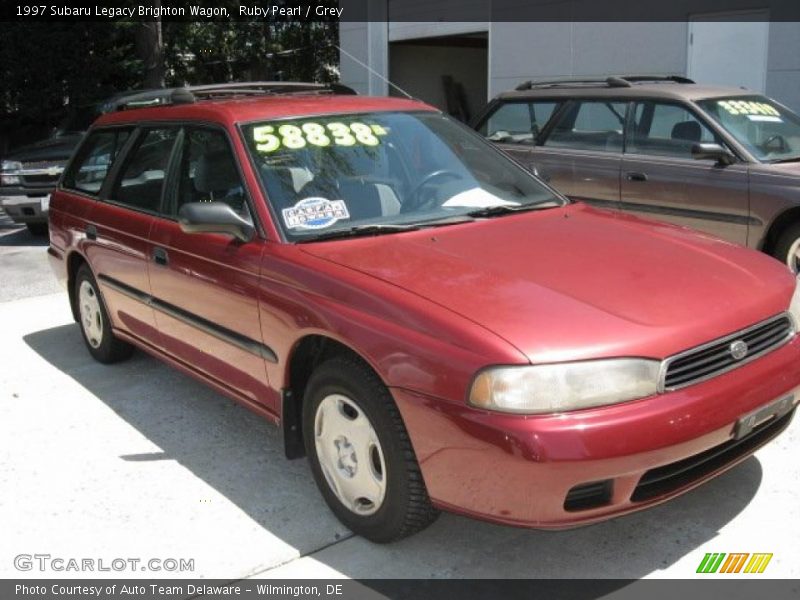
[25,209]
[520,470]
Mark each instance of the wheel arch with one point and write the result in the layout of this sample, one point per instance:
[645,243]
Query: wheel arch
[306,354]
[74,261]
[780,224]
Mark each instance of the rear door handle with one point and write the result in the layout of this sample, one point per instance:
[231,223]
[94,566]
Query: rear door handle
[91,232]
[160,256]
[635,176]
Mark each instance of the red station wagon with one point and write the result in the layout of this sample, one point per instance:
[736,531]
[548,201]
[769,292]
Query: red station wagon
[430,324]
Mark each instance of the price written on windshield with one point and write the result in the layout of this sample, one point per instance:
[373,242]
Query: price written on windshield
[269,138]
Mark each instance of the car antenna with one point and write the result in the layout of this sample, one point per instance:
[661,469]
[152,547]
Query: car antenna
[374,72]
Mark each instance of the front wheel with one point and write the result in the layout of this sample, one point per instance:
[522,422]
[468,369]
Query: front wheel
[360,453]
[101,342]
[787,248]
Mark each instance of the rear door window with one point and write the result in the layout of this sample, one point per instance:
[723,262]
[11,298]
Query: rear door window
[96,157]
[518,122]
[590,125]
[141,182]
[665,129]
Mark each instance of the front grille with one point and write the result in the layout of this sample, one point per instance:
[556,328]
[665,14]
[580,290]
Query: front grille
[43,164]
[716,357]
[666,479]
[41,172]
[40,179]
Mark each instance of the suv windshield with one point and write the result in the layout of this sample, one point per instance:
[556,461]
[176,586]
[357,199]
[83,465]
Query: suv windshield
[769,131]
[384,172]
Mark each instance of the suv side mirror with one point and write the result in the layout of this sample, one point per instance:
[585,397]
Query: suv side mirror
[214,217]
[706,151]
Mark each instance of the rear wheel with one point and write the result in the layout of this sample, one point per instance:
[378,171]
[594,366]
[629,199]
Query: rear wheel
[37,228]
[360,453]
[787,248]
[102,344]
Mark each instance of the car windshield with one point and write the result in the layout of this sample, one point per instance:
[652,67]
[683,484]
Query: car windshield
[769,131]
[384,172]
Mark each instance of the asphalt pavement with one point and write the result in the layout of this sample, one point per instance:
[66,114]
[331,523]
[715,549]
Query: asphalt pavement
[138,461]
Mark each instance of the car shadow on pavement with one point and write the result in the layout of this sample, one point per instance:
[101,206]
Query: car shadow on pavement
[13,236]
[240,455]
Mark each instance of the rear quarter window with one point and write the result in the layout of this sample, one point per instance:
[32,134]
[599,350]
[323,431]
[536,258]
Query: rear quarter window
[518,122]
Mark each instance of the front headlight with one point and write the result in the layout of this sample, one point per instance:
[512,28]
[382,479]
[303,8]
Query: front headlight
[9,172]
[10,165]
[794,305]
[565,386]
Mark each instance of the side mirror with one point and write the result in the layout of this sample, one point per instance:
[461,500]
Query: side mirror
[709,151]
[214,217]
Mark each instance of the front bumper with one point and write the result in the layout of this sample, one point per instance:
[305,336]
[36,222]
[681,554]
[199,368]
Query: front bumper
[520,470]
[25,206]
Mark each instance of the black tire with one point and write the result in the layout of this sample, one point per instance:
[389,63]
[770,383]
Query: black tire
[406,507]
[107,348]
[784,245]
[37,228]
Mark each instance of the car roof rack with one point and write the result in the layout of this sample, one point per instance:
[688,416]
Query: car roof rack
[612,81]
[193,93]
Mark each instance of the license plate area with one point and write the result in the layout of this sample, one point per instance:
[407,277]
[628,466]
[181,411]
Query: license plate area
[774,410]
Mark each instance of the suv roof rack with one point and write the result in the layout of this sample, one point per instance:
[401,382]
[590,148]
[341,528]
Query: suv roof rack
[612,81]
[193,93]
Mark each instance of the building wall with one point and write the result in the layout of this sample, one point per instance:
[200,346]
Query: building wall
[522,51]
[783,63]
[364,44]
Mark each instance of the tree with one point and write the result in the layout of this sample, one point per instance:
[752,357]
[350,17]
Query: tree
[47,65]
[150,46]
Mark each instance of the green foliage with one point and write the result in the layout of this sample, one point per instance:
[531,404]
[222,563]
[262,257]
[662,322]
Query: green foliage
[46,65]
[254,50]
[43,65]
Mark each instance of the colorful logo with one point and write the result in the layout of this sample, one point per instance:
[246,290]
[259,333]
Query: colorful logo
[741,562]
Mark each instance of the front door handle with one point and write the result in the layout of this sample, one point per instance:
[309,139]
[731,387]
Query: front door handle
[160,256]
[91,232]
[635,176]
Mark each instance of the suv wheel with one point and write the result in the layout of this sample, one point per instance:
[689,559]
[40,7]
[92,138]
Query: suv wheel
[360,453]
[102,344]
[37,228]
[787,249]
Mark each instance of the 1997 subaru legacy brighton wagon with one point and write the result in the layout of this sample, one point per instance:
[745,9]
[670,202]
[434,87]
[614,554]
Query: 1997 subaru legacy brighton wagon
[430,324]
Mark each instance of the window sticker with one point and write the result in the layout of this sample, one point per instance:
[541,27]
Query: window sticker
[315,213]
[269,138]
[747,107]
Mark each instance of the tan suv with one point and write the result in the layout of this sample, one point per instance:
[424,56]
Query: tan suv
[721,160]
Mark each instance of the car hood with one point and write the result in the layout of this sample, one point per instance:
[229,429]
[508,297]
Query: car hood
[57,148]
[576,282]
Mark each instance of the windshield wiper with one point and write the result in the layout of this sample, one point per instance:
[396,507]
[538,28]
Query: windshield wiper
[359,230]
[785,160]
[504,209]
[380,229]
